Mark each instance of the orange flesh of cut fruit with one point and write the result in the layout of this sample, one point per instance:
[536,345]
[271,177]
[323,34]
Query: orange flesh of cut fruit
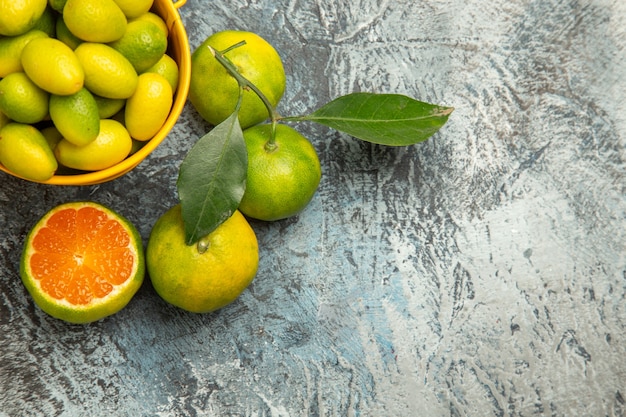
[81,255]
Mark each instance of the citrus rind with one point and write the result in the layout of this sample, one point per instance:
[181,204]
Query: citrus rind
[201,282]
[98,309]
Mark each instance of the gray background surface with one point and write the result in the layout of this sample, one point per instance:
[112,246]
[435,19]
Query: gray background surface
[481,273]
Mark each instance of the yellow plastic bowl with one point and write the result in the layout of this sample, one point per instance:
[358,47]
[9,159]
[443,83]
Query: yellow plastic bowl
[179,50]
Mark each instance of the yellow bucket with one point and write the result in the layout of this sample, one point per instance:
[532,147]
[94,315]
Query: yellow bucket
[179,50]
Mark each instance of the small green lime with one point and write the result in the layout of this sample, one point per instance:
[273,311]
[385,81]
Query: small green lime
[108,107]
[95,20]
[64,35]
[11,51]
[107,72]
[25,152]
[168,68]
[112,145]
[143,44]
[76,116]
[52,135]
[57,5]
[47,22]
[53,66]
[156,19]
[22,100]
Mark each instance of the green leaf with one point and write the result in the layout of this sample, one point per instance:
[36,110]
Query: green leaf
[212,179]
[386,119]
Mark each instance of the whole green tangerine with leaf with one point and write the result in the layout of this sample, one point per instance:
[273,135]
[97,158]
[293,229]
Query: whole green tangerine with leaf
[283,172]
[214,92]
[212,178]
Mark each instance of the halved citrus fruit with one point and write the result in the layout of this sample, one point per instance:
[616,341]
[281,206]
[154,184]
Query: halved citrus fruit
[82,262]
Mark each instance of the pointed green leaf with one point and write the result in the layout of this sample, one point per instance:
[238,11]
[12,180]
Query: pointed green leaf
[212,179]
[387,119]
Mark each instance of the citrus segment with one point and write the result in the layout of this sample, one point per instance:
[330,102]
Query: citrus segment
[82,262]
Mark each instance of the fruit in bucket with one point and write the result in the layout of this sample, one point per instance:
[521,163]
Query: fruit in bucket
[84,74]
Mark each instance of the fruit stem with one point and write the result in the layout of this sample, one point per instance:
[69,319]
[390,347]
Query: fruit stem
[270,145]
[245,83]
[203,244]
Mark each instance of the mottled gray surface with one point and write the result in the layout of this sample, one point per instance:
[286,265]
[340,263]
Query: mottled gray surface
[482,273]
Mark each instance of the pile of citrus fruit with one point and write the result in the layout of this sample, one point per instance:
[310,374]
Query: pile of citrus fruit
[83,83]
[82,261]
